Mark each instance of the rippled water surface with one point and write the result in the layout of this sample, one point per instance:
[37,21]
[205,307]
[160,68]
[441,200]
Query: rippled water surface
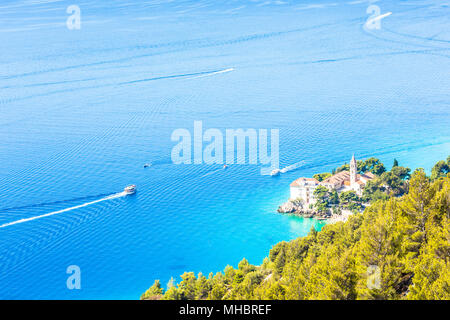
[83,110]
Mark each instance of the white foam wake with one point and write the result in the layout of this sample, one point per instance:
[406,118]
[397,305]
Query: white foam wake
[213,73]
[114,196]
[381,16]
[292,167]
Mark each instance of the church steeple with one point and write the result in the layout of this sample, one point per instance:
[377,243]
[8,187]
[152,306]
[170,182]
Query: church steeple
[353,168]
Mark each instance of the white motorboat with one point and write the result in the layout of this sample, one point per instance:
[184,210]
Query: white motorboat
[275,172]
[130,189]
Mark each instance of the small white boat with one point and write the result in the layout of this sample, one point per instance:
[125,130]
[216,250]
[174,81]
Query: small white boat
[130,189]
[275,172]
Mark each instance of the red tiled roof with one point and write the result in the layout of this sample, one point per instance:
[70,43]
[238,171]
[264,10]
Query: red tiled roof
[296,182]
[337,178]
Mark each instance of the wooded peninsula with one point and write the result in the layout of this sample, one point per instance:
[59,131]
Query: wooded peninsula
[397,248]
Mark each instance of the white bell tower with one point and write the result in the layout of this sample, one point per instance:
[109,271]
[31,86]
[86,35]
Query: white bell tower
[353,168]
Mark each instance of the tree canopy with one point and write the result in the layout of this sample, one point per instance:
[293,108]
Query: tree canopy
[321,176]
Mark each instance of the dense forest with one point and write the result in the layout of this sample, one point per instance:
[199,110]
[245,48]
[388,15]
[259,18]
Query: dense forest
[398,248]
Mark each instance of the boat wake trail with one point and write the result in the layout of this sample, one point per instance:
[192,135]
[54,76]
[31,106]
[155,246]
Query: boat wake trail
[194,75]
[292,167]
[54,202]
[212,73]
[114,196]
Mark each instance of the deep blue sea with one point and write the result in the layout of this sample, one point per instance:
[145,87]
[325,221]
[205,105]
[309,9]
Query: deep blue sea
[83,110]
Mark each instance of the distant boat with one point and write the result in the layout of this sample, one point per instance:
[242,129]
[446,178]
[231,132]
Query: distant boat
[130,189]
[147,165]
[275,172]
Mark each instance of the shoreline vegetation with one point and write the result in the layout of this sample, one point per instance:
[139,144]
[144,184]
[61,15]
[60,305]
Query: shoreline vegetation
[397,248]
[334,207]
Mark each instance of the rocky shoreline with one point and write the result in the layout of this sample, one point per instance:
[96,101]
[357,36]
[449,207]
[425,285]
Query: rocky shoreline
[290,207]
[296,208]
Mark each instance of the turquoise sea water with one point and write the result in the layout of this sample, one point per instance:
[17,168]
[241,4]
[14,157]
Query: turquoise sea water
[83,110]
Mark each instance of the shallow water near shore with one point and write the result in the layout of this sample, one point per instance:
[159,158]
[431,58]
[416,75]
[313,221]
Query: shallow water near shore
[84,110]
